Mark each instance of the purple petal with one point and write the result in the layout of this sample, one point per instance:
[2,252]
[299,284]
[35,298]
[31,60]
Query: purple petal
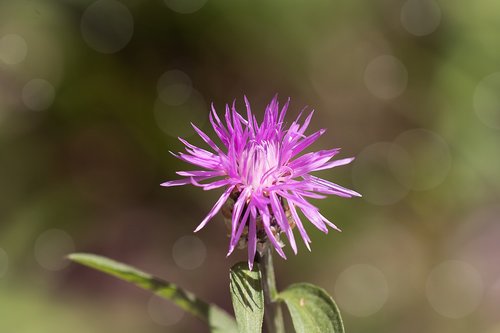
[204,162]
[237,210]
[197,173]
[234,241]
[207,139]
[178,182]
[219,130]
[252,239]
[280,216]
[249,116]
[333,186]
[186,181]
[307,142]
[306,123]
[335,164]
[312,215]
[216,184]
[228,121]
[283,111]
[215,209]
[333,226]
[270,235]
[195,150]
[299,224]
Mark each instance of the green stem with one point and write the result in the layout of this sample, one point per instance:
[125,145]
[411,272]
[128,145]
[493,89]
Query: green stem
[273,315]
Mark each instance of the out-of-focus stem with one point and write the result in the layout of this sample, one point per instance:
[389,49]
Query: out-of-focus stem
[273,315]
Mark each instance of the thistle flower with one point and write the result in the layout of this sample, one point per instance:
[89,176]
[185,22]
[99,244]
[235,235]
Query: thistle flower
[265,177]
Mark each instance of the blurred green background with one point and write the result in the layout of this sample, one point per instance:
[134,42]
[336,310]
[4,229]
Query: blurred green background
[94,94]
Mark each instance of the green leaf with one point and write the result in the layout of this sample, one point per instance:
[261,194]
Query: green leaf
[312,309]
[218,319]
[247,297]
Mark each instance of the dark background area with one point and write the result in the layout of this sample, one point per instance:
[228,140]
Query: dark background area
[94,94]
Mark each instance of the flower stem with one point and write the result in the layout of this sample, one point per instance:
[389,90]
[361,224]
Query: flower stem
[273,316]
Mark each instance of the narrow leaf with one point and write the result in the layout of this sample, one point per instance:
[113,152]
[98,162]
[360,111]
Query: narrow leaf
[247,297]
[218,319]
[312,309]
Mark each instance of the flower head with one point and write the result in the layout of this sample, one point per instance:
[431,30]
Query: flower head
[265,176]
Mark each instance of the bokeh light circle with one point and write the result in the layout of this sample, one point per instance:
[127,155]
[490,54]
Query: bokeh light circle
[493,329]
[189,252]
[175,120]
[163,312]
[396,250]
[174,87]
[4,262]
[376,172]
[51,248]
[487,100]
[361,290]
[476,241]
[185,6]
[13,49]
[420,17]
[492,300]
[454,289]
[430,155]
[386,77]
[38,94]
[107,26]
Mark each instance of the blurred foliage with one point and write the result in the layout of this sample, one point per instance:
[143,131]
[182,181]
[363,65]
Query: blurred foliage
[85,139]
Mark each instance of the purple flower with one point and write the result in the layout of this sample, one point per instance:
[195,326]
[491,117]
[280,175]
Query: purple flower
[265,178]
